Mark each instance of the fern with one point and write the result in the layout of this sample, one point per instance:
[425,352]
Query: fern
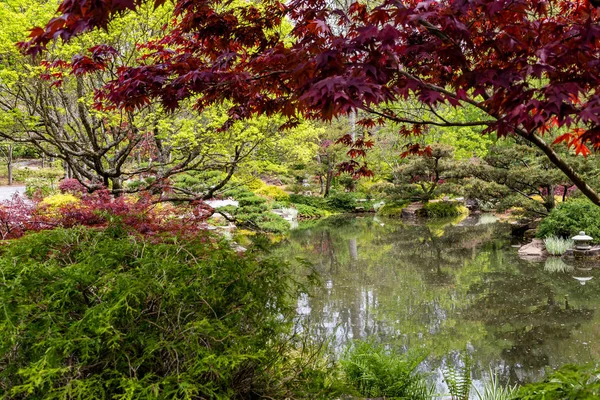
[459,379]
[375,372]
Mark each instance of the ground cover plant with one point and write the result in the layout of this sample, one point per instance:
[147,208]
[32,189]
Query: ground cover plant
[98,314]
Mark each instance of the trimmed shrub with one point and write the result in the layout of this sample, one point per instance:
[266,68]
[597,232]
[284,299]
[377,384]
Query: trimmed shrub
[571,217]
[308,212]
[341,202]
[273,192]
[92,314]
[442,209]
[392,210]
[313,201]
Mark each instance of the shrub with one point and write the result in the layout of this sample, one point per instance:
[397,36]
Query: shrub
[392,210]
[375,372]
[307,212]
[39,187]
[313,201]
[72,186]
[571,217]
[59,200]
[568,382]
[441,209]
[253,213]
[341,202]
[557,246]
[273,192]
[91,314]
[138,214]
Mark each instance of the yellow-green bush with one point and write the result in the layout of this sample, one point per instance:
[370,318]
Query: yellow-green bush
[273,192]
[59,200]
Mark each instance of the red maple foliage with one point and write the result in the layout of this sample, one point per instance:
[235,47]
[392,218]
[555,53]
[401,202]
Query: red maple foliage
[140,215]
[528,65]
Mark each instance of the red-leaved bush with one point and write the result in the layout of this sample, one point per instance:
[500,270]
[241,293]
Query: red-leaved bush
[139,215]
[72,186]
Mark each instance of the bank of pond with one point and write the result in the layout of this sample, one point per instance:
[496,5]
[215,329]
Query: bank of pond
[355,306]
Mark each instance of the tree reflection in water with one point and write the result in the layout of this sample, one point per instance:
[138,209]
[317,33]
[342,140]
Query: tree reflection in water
[443,285]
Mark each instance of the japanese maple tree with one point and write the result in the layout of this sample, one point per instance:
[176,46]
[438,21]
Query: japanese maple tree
[530,66]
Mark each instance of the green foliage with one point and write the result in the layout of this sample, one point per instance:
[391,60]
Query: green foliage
[341,202]
[307,212]
[313,201]
[375,372]
[568,382]
[273,192]
[253,212]
[493,390]
[392,210]
[571,217]
[39,187]
[442,209]
[557,246]
[459,379]
[91,314]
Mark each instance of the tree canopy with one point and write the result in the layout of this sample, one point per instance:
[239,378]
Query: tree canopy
[529,66]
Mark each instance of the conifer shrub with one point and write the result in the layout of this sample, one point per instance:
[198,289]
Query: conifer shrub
[442,209]
[571,217]
[100,314]
[392,210]
[273,192]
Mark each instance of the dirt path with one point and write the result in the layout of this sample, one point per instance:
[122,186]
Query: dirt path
[7,192]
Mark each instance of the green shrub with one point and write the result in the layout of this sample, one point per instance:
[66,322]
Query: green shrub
[571,217]
[375,372]
[273,192]
[568,382]
[392,210]
[442,209]
[313,201]
[341,202]
[39,187]
[307,212]
[90,314]
[253,213]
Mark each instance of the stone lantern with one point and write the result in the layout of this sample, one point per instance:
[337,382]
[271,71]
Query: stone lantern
[582,241]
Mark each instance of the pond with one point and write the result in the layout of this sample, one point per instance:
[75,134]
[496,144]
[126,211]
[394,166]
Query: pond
[448,287]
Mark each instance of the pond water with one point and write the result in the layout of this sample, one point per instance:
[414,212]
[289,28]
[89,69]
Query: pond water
[448,287]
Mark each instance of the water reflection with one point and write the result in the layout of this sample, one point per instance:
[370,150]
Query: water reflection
[444,285]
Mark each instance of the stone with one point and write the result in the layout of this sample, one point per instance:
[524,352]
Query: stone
[412,210]
[534,250]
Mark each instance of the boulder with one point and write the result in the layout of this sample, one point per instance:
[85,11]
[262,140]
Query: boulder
[534,250]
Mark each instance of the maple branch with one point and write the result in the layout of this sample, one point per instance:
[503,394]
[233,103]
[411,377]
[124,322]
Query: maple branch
[560,164]
[425,122]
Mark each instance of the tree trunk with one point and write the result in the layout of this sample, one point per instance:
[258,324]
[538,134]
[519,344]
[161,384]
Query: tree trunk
[117,186]
[9,164]
[562,165]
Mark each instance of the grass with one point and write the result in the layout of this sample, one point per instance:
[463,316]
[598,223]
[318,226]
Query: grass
[557,246]
[493,390]
[556,265]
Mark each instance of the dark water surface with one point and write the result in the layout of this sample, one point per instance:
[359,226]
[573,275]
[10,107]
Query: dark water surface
[448,287]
